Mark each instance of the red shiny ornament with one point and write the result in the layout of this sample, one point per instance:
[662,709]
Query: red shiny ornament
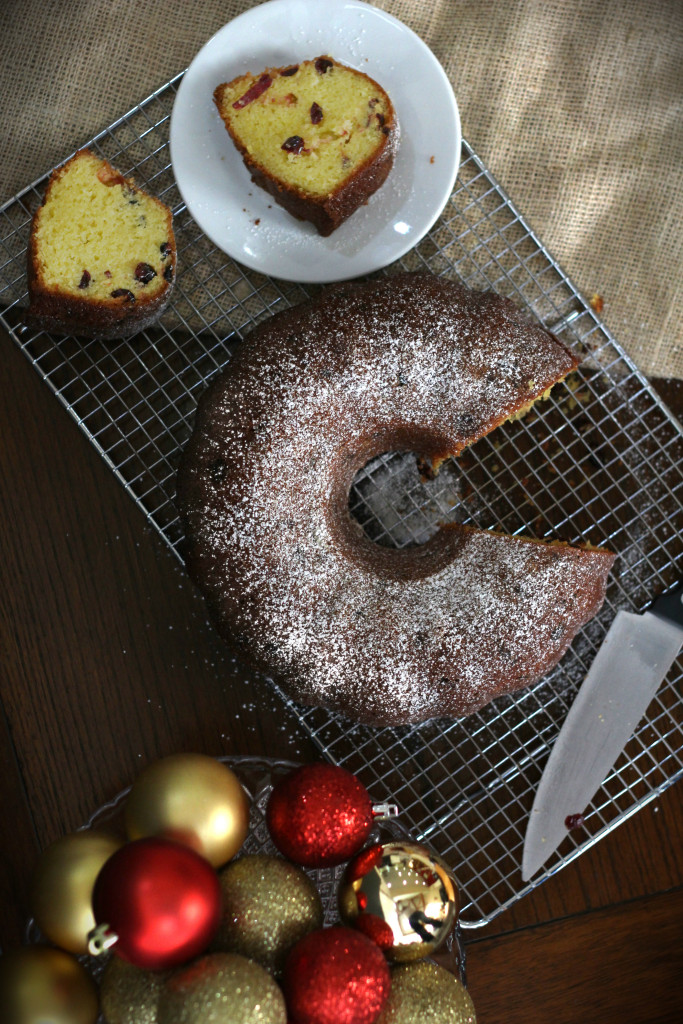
[319,815]
[365,862]
[335,976]
[376,929]
[161,899]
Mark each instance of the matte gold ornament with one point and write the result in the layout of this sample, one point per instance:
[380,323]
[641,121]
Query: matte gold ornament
[402,896]
[62,887]
[222,987]
[193,799]
[268,905]
[424,993]
[41,985]
[129,995]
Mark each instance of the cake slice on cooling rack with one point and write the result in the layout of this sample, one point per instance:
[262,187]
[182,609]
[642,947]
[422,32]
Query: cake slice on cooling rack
[101,254]
[320,137]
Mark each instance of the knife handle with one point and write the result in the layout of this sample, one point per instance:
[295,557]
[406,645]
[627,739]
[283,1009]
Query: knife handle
[670,605]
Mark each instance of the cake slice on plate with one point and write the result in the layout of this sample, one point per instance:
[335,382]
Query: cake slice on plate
[320,137]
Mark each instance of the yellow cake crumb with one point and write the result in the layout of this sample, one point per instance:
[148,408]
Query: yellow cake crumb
[338,117]
[97,224]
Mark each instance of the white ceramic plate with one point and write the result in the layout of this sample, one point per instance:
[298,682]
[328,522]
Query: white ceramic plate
[242,219]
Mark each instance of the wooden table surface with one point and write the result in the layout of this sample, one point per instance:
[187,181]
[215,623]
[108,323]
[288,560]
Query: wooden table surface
[108,662]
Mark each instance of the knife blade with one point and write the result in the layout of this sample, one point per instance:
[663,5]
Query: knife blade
[625,674]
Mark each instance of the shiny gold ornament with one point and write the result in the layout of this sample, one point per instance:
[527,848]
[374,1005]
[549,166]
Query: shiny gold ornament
[222,987]
[41,985]
[129,995]
[402,896]
[63,883]
[268,905]
[191,798]
[424,993]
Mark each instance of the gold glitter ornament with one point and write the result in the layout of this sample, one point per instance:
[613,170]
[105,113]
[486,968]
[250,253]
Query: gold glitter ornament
[268,905]
[129,995]
[222,988]
[41,985]
[193,799]
[61,890]
[423,993]
[402,896]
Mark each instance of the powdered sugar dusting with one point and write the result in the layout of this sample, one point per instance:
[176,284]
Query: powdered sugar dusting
[385,636]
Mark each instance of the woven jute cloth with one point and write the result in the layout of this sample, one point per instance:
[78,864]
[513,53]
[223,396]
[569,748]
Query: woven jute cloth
[576,106]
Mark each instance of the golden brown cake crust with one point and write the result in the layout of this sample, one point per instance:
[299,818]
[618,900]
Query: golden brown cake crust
[409,362]
[328,212]
[54,309]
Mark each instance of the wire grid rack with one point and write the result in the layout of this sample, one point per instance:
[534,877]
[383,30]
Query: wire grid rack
[600,462]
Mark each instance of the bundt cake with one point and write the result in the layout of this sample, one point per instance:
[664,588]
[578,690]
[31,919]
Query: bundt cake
[318,136]
[385,636]
[101,254]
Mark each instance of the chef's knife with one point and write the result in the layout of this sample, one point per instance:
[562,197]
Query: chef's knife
[622,680]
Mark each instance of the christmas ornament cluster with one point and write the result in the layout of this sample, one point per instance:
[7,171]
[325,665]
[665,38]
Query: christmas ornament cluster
[197,931]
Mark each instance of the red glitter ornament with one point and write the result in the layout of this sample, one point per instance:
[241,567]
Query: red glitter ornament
[319,815]
[160,900]
[336,976]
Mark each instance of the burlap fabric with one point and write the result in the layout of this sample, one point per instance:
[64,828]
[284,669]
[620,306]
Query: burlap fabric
[576,106]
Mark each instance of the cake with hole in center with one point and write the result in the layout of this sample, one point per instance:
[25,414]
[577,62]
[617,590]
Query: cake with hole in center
[101,254]
[410,362]
[320,137]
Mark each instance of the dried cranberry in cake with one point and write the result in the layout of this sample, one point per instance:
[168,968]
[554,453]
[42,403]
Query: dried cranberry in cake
[253,93]
[108,175]
[67,237]
[350,136]
[144,273]
[294,144]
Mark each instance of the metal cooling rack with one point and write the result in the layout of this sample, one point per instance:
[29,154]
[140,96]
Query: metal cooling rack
[600,462]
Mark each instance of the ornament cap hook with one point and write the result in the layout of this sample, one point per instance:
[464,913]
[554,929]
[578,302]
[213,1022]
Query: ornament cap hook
[381,812]
[100,939]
